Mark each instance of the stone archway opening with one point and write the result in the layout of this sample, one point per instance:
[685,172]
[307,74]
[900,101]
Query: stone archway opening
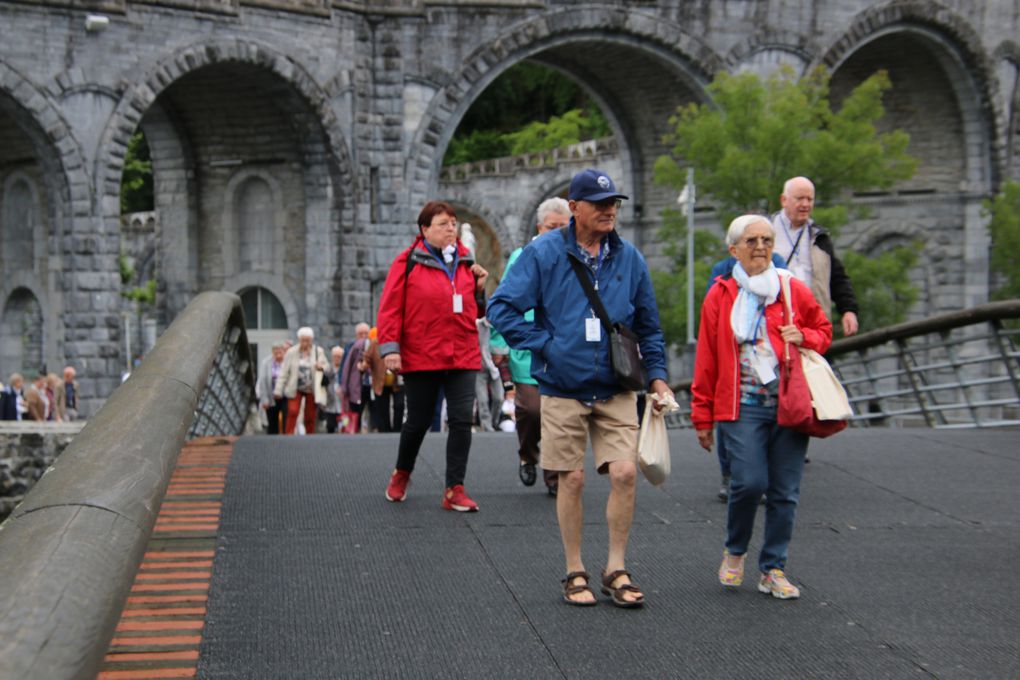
[21,333]
[243,183]
[637,82]
[939,103]
[922,101]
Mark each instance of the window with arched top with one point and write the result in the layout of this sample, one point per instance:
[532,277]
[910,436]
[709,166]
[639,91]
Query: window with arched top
[266,321]
[262,310]
[19,219]
[254,213]
[21,333]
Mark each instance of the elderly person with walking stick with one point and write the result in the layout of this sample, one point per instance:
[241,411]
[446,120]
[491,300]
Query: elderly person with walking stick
[742,335]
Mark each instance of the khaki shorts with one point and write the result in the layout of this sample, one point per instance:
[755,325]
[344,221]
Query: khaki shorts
[567,424]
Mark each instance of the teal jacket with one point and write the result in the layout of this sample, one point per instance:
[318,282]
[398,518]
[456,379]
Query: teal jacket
[520,359]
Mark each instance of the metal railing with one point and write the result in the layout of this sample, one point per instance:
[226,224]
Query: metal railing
[954,370]
[70,550]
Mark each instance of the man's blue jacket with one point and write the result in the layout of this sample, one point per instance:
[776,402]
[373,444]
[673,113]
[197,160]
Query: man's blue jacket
[563,362]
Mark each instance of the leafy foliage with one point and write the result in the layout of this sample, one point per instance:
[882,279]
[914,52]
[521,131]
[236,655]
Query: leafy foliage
[882,285]
[528,108]
[752,138]
[756,135]
[136,188]
[1004,226]
[671,286]
[144,294]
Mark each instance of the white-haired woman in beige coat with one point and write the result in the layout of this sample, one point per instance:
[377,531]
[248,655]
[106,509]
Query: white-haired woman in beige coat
[301,377]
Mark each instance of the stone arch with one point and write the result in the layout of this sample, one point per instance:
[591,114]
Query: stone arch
[802,50]
[63,151]
[232,216]
[141,94]
[959,52]
[547,38]
[315,208]
[22,331]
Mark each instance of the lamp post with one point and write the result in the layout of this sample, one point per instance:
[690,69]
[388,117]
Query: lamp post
[686,201]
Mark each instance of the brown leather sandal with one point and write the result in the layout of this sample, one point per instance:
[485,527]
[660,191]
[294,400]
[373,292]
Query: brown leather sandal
[569,588]
[617,592]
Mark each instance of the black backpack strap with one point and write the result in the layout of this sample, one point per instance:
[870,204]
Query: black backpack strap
[589,289]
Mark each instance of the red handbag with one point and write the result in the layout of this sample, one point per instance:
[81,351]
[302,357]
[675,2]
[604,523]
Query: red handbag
[795,410]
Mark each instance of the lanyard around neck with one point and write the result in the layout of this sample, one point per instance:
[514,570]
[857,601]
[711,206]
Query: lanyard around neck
[796,244]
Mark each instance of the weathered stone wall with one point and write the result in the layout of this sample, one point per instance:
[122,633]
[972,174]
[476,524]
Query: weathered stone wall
[294,141]
[27,450]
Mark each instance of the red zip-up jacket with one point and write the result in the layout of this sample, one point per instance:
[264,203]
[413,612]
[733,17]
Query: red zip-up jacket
[420,323]
[715,392]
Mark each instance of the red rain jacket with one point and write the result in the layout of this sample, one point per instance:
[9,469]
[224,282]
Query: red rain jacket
[715,392]
[416,316]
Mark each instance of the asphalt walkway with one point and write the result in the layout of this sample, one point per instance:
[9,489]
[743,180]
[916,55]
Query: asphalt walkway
[906,547]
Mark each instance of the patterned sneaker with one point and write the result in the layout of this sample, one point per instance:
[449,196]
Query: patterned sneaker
[731,576]
[397,489]
[457,499]
[776,583]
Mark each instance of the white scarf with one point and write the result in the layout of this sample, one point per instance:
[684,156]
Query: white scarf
[755,292]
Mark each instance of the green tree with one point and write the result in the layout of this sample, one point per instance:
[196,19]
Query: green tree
[1004,211]
[755,135]
[529,107]
[882,286]
[136,193]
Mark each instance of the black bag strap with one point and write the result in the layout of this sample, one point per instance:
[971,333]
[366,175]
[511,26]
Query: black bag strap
[589,289]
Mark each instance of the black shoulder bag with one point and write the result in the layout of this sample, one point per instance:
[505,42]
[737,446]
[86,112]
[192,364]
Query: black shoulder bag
[624,352]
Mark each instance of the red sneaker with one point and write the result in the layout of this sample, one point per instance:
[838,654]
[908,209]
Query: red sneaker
[397,489]
[457,499]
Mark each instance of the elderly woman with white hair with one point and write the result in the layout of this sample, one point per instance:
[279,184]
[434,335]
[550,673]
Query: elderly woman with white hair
[736,379]
[304,367]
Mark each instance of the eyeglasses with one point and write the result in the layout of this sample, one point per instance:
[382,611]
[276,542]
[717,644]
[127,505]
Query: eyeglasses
[606,203]
[752,241]
[445,224]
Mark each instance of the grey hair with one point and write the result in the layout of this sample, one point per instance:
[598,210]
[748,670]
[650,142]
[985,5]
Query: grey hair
[551,205]
[336,348]
[305,332]
[740,225]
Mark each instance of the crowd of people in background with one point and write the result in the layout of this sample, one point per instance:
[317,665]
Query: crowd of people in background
[47,398]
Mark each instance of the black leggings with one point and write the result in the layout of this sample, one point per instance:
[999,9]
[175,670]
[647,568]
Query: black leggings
[421,389]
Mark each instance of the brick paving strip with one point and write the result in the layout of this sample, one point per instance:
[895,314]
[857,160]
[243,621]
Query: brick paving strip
[160,630]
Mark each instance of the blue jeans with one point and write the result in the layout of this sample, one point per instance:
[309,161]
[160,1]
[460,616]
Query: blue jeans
[764,458]
[720,451]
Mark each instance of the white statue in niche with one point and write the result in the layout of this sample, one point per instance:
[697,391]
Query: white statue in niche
[467,237]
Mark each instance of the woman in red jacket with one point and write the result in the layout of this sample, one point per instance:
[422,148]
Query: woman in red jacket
[432,296]
[736,379]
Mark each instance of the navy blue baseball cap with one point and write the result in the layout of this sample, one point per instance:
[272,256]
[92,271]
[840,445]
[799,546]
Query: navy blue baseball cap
[592,185]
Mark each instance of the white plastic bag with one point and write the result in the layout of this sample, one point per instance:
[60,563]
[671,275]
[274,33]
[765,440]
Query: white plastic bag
[653,443]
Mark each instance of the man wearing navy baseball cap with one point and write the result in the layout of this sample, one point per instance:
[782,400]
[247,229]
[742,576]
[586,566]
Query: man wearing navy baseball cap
[580,394]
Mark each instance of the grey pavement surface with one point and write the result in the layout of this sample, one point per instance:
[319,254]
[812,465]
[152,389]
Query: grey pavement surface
[906,548]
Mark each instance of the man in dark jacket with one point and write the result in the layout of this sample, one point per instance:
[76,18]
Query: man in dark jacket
[809,254]
[580,394]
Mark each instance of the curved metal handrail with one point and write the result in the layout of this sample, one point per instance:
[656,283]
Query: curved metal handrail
[69,552]
[958,360]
